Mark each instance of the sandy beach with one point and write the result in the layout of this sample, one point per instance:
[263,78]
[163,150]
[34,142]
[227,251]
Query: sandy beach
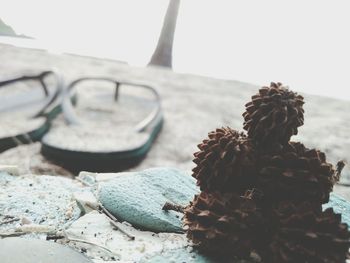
[193,106]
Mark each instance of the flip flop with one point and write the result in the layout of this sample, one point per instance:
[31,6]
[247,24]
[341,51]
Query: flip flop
[105,132]
[27,105]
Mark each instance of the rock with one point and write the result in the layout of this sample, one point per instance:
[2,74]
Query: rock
[339,205]
[42,200]
[10,169]
[86,201]
[138,197]
[87,178]
[91,178]
[35,250]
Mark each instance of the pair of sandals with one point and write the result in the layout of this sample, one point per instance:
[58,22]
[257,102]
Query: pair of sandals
[102,129]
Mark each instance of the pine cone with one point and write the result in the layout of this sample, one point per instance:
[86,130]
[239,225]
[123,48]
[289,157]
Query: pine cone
[306,235]
[225,162]
[223,224]
[297,174]
[273,115]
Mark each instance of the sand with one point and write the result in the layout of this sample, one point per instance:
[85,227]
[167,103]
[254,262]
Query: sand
[193,106]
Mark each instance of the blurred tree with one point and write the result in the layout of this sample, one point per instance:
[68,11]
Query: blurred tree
[162,55]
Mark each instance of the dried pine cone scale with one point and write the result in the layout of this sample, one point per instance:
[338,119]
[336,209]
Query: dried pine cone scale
[296,173]
[225,162]
[273,115]
[308,235]
[225,224]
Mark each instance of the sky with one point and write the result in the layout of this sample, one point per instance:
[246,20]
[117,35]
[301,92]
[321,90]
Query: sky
[304,44]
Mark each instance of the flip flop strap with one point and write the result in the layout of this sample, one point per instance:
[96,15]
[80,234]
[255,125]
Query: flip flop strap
[72,118]
[40,78]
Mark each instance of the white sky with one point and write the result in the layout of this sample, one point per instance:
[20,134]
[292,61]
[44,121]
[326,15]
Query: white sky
[304,44]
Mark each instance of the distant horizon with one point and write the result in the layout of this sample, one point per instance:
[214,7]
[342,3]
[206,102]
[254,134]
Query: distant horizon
[16,41]
[293,42]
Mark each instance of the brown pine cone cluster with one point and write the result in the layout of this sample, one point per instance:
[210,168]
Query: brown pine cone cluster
[296,174]
[225,162]
[262,193]
[308,235]
[273,115]
[226,224]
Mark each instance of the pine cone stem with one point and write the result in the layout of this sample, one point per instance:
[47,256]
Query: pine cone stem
[174,207]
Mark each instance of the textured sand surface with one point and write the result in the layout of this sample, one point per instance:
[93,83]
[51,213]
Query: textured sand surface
[193,106]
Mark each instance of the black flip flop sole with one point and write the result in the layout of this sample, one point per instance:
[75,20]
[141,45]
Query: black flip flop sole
[30,137]
[50,110]
[77,161]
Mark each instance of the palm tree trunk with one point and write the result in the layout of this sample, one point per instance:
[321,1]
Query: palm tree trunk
[162,55]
